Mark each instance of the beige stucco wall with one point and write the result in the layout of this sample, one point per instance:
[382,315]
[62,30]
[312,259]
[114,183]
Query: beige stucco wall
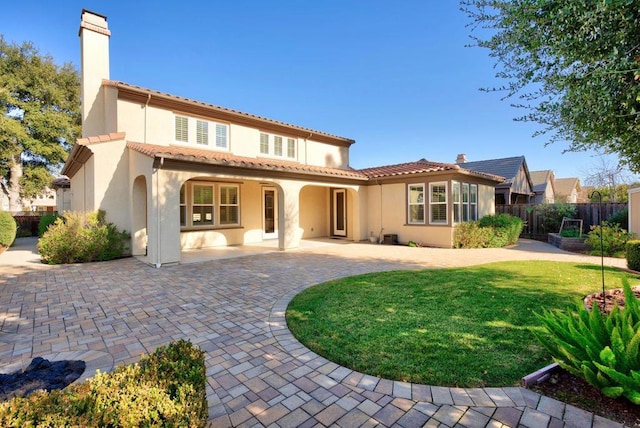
[634,210]
[386,210]
[314,211]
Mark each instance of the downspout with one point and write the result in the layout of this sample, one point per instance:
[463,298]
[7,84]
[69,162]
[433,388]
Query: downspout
[157,201]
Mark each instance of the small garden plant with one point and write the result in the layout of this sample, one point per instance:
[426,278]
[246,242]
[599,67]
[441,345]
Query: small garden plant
[608,239]
[79,237]
[604,349]
[166,388]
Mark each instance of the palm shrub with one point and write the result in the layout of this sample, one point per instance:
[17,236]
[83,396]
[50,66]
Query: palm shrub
[633,254]
[7,229]
[78,237]
[601,348]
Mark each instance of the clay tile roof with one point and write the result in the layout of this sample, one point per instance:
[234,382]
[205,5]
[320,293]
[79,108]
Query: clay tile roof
[227,159]
[101,138]
[420,167]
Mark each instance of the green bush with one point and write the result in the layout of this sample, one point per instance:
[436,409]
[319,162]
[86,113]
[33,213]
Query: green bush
[613,239]
[602,349]
[7,229]
[491,231]
[551,215]
[620,217]
[166,388]
[77,237]
[633,255]
[44,223]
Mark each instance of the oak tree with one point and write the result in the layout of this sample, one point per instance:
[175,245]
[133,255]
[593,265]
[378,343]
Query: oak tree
[39,119]
[574,66]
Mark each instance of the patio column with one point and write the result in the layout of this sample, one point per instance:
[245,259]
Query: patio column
[289,216]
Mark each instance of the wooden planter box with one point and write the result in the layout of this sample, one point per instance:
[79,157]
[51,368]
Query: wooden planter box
[567,244]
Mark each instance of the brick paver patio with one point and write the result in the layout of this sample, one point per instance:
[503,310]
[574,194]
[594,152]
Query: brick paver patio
[258,374]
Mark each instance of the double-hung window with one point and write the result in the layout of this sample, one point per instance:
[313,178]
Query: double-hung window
[277,146]
[182,129]
[202,132]
[465,202]
[183,206]
[202,207]
[264,144]
[438,203]
[229,205]
[416,204]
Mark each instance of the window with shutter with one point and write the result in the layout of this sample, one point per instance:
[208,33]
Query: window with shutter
[182,129]
[202,132]
[264,144]
[221,136]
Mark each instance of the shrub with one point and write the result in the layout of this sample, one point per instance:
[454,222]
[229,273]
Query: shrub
[620,217]
[489,232]
[82,238]
[613,239]
[602,349]
[633,254]
[551,216]
[44,223]
[7,229]
[166,388]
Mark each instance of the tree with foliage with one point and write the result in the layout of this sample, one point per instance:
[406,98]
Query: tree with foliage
[574,66]
[40,105]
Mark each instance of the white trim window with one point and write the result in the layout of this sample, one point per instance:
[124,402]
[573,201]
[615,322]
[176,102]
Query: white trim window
[202,132]
[229,204]
[209,204]
[186,128]
[277,146]
[182,129]
[415,202]
[202,207]
[264,143]
[183,206]
[222,136]
[465,202]
[438,203]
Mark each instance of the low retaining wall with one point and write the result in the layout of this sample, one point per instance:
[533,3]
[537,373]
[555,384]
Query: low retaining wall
[567,244]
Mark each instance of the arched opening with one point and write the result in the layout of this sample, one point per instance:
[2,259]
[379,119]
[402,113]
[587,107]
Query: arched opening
[139,219]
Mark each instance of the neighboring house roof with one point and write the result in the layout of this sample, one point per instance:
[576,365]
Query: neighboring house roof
[423,166]
[227,159]
[161,99]
[61,183]
[564,186]
[540,180]
[504,167]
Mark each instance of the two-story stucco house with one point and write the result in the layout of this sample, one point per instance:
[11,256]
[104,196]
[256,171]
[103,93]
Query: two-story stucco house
[181,174]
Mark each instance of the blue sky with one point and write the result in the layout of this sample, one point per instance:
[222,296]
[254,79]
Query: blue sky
[396,77]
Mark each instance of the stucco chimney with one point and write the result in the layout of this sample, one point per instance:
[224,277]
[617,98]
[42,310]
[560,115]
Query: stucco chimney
[462,158]
[94,66]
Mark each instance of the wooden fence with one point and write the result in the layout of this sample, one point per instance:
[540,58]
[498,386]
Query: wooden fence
[590,213]
[27,222]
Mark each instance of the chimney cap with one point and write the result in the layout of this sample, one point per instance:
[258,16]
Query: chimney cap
[462,158]
[93,13]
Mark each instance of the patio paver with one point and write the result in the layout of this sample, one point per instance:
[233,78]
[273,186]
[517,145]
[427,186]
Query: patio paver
[257,374]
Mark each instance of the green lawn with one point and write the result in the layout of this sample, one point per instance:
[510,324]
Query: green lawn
[464,327]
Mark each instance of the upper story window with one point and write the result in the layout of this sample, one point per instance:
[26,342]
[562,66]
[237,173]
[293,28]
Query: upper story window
[277,146]
[182,129]
[186,128]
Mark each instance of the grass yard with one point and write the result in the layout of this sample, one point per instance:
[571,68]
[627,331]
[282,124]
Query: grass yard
[466,327]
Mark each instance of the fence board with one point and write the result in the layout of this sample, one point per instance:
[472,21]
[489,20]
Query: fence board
[589,212]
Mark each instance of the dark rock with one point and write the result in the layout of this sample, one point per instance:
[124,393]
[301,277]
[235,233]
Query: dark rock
[40,374]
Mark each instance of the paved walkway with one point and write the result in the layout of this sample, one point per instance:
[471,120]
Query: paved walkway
[258,375]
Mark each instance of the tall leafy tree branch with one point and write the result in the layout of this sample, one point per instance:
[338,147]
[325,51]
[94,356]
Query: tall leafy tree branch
[39,120]
[574,66]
